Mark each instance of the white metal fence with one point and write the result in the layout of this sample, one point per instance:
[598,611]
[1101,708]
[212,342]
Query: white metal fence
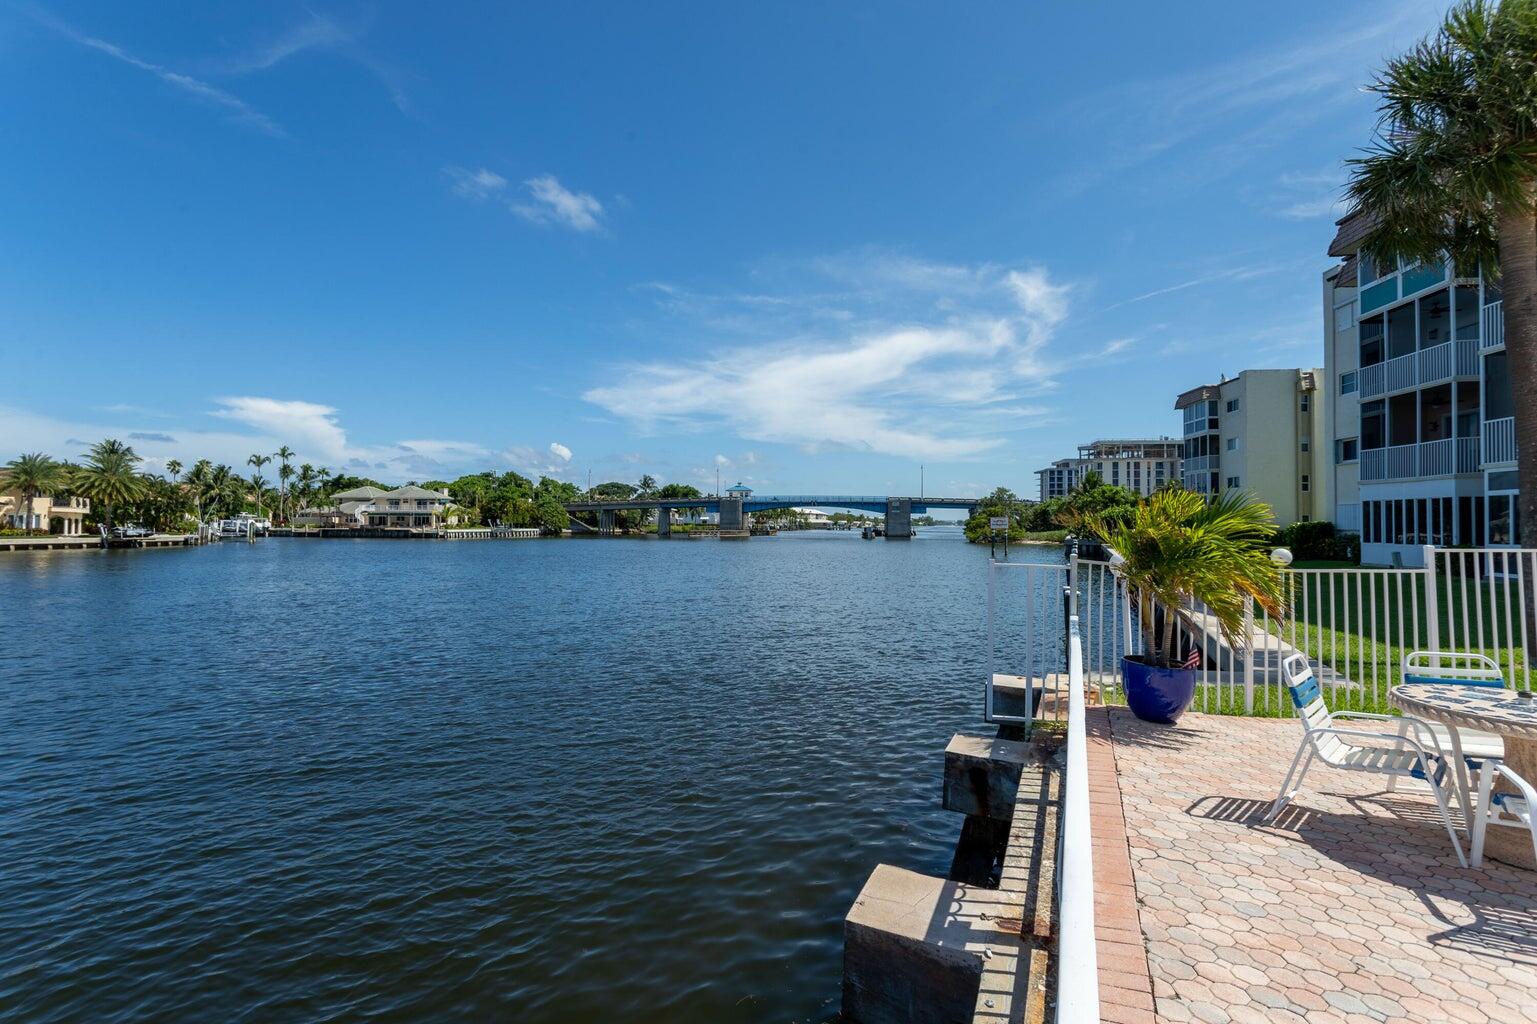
[1077,954]
[1354,625]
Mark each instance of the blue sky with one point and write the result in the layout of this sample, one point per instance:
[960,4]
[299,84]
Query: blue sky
[808,246]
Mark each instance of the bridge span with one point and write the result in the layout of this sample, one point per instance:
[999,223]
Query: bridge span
[734,510]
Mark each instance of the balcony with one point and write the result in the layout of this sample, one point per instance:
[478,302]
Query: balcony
[1492,334]
[1200,464]
[1499,440]
[1428,458]
[1434,365]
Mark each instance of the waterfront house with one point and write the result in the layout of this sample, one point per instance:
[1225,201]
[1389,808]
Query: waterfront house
[346,514]
[62,516]
[411,507]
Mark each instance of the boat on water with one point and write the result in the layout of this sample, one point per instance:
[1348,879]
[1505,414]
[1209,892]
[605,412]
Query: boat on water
[242,525]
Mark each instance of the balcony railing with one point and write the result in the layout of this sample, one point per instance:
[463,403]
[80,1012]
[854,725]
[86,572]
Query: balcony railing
[1200,464]
[1493,324]
[1499,439]
[1467,455]
[1436,457]
[1373,380]
[1428,458]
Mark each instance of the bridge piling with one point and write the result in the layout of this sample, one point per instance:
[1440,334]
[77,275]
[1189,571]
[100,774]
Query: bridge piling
[899,518]
[664,522]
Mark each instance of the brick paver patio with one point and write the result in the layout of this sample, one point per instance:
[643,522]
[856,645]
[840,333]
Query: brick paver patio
[1351,907]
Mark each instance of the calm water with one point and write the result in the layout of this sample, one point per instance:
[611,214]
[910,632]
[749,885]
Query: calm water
[626,781]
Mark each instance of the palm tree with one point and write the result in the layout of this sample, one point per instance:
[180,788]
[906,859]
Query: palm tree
[1179,546]
[284,455]
[199,479]
[227,490]
[31,476]
[109,477]
[306,482]
[258,491]
[1454,173]
[174,468]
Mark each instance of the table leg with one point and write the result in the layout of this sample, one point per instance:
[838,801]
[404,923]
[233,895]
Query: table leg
[1503,843]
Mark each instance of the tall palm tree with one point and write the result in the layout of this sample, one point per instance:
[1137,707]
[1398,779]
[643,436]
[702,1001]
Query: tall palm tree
[285,471]
[173,467]
[32,476]
[1178,546]
[109,477]
[1453,173]
[258,461]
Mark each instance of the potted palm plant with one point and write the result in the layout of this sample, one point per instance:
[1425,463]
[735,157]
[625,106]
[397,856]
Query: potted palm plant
[1178,546]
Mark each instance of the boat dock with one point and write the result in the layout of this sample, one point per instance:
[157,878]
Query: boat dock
[158,540]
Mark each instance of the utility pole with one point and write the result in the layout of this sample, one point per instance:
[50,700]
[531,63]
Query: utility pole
[920,480]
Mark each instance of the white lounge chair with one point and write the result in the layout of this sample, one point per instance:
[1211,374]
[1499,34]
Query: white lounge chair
[1389,753]
[1510,810]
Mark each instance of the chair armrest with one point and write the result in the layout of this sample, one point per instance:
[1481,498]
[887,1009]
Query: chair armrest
[1392,737]
[1419,724]
[1520,783]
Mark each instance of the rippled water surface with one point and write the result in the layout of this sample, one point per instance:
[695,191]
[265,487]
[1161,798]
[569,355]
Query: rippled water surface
[600,780]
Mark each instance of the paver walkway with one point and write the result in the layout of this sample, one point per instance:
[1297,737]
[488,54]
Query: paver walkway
[1351,907]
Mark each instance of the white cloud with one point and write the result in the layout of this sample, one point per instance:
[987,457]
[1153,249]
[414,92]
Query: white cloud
[922,381]
[546,202]
[477,184]
[722,461]
[560,451]
[555,204]
[303,424]
[237,107]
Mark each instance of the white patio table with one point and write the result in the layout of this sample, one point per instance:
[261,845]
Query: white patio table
[1508,713]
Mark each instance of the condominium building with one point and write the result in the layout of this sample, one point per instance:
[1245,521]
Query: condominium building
[1259,432]
[1435,430]
[1141,465]
[1340,395]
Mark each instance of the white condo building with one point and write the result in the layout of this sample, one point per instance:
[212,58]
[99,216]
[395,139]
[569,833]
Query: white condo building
[1428,425]
[1262,432]
[1141,465]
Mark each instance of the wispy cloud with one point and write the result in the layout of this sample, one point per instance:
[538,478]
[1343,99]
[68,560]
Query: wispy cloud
[931,377]
[1307,196]
[544,200]
[560,451]
[553,203]
[476,184]
[237,108]
[1219,116]
[322,33]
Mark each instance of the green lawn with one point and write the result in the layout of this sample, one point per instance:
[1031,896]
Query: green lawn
[1362,624]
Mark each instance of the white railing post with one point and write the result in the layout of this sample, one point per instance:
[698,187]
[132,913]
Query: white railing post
[992,573]
[1077,955]
[1248,656]
[1432,606]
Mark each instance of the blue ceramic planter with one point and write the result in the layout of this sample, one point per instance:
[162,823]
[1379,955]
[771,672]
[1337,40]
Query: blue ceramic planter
[1157,694]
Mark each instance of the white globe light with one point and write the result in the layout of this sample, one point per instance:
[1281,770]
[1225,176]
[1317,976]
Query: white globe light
[1281,557]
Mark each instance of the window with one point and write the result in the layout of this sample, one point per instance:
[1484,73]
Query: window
[1306,444]
[1307,483]
[1232,483]
[1307,401]
[1348,382]
[1232,405]
[1345,316]
[1347,449]
[1232,444]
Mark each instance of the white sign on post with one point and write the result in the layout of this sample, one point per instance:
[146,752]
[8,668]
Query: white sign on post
[998,522]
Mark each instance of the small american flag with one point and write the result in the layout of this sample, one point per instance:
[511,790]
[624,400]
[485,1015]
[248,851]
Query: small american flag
[1193,659]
